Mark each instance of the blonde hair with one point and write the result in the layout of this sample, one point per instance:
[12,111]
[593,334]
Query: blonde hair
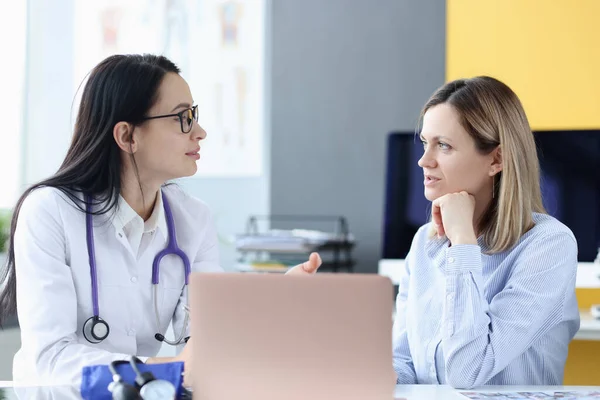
[493,116]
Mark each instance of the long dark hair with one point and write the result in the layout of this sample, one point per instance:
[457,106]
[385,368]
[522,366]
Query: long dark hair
[120,88]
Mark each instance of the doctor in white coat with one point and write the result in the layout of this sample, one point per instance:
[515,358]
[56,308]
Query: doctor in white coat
[85,273]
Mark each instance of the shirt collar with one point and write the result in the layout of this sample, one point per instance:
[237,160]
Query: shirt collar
[157,218]
[125,215]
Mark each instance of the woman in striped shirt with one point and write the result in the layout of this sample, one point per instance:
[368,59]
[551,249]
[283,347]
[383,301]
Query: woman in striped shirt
[488,289]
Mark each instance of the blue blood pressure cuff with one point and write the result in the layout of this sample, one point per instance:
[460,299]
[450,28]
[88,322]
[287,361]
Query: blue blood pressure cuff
[95,379]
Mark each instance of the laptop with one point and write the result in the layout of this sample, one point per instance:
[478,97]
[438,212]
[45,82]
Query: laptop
[272,336]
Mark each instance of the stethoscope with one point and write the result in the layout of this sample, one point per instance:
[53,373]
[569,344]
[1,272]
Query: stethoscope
[95,329]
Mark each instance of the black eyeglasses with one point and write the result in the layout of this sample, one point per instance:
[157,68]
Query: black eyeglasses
[186,118]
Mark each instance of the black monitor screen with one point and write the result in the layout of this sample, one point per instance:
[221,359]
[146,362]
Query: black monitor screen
[570,182]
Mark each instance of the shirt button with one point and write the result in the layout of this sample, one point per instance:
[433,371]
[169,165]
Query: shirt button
[134,279]
[450,297]
[450,260]
[131,332]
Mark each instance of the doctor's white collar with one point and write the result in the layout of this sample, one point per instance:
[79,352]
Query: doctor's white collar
[126,215]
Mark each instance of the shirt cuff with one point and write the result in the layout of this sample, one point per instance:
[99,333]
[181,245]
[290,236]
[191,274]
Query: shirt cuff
[463,258]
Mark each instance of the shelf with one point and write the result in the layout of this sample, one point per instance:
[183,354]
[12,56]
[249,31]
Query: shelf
[292,246]
[326,247]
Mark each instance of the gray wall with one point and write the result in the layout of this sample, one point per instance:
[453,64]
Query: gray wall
[344,74]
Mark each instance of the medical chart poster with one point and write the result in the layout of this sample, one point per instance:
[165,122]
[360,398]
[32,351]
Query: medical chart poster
[219,46]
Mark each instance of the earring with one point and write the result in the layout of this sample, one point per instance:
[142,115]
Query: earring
[493,186]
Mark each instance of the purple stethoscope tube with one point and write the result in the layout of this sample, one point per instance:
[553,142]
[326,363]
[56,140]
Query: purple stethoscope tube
[95,329]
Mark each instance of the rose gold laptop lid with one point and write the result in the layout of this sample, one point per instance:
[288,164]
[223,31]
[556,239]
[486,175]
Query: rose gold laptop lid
[267,336]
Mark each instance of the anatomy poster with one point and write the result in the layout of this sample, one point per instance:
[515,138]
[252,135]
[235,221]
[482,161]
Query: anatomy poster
[219,46]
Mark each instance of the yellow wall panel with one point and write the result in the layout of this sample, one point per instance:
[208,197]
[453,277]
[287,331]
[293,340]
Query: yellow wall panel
[582,363]
[586,298]
[547,51]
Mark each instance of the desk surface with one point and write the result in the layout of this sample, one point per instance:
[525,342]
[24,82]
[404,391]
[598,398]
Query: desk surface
[409,392]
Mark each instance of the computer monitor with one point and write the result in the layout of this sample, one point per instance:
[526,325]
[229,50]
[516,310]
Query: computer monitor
[406,207]
[570,182]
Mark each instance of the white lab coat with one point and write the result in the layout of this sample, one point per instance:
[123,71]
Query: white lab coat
[54,296]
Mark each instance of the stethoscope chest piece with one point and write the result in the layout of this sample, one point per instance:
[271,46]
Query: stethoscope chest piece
[95,329]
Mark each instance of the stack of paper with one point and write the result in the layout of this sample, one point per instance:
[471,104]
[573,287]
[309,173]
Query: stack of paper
[542,395]
[295,240]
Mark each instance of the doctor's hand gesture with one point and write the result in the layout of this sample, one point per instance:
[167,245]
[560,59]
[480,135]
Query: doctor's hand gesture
[307,267]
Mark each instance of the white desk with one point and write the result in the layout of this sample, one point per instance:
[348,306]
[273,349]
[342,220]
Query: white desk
[588,277]
[431,392]
[409,392]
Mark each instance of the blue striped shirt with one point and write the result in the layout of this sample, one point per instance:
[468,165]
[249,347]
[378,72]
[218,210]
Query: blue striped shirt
[467,319]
